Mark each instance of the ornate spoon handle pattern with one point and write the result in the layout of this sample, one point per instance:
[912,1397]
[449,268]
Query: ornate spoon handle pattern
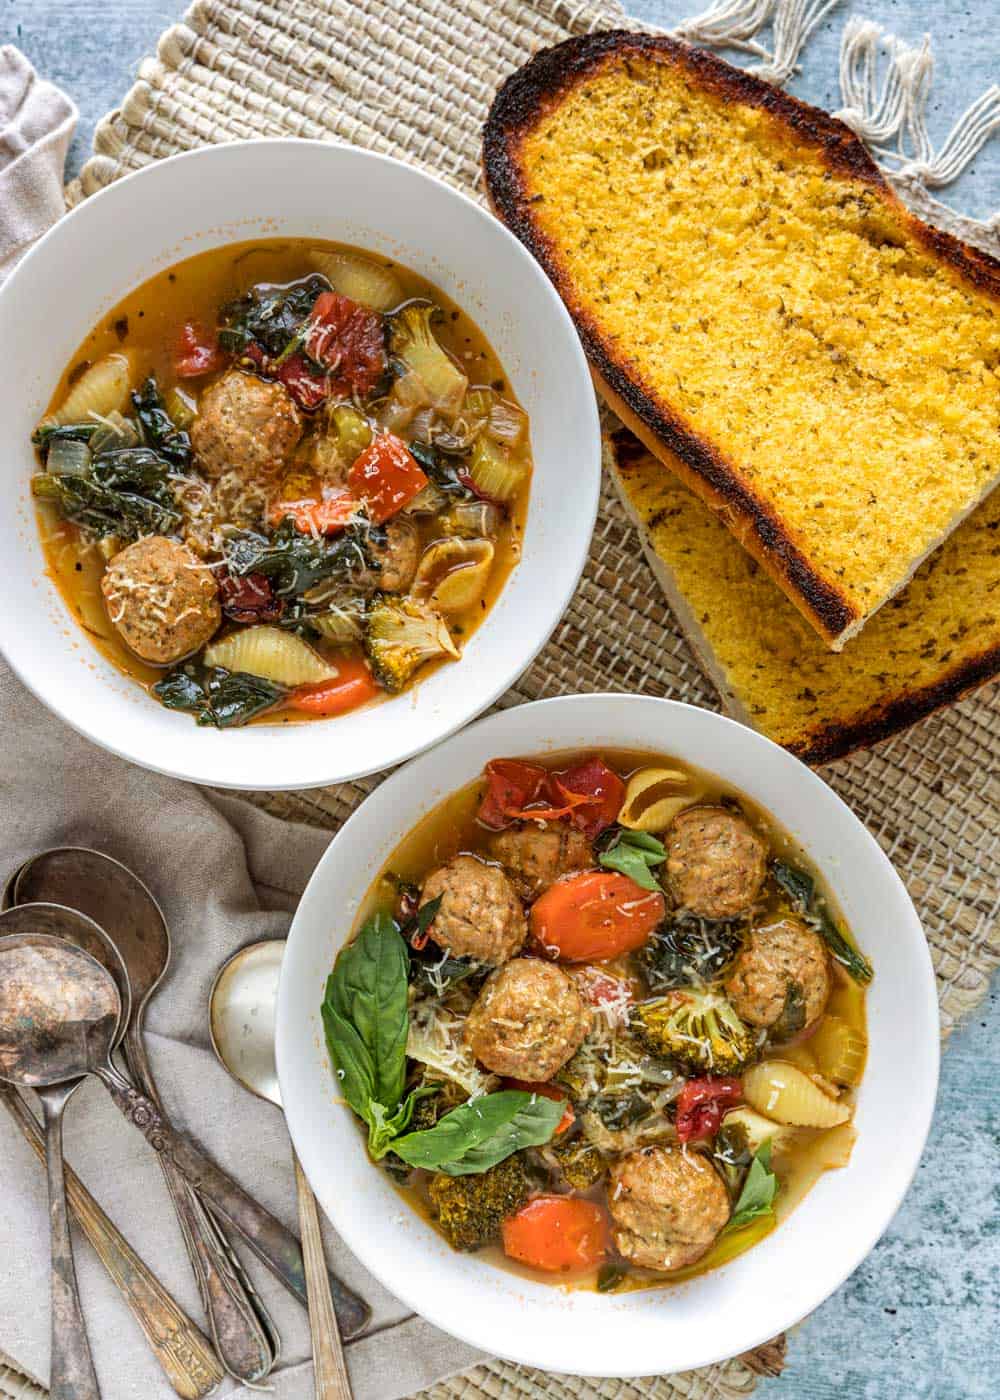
[179,1346]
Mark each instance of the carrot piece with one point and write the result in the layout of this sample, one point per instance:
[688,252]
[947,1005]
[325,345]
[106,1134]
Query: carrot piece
[560,1234]
[317,517]
[546,1091]
[353,686]
[595,916]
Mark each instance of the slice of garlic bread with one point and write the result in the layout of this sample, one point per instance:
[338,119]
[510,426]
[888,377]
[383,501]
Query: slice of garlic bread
[817,364]
[938,639]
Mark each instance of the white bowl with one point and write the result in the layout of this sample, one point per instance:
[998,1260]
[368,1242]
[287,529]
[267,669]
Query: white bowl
[306,189]
[748,1300]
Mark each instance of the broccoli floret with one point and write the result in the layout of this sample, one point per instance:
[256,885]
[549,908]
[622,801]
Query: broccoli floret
[471,1209]
[580,1162]
[699,1029]
[402,635]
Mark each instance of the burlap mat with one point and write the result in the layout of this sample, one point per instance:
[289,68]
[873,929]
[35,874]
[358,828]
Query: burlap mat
[415,79]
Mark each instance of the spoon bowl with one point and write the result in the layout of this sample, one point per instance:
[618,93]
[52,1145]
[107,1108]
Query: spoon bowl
[59,1011]
[56,921]
[242,1006]
[109,893]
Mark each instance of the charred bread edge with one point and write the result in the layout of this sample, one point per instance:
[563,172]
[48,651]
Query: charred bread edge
[827,742]
[528,94]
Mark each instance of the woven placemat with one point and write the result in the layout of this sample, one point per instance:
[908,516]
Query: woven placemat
[415,79]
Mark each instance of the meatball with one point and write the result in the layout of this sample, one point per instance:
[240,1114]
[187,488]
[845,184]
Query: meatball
[667,1206]
[716,862]
[781,978]
[245,423]
[480,915]
[161,599]
[398,557]
[537,856]
[527,1021]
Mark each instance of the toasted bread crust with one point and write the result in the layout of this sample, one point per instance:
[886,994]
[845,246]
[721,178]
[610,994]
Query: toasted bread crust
[835,739]
[525,97]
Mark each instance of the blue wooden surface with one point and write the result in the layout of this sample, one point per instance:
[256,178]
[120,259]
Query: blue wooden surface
[919,1320]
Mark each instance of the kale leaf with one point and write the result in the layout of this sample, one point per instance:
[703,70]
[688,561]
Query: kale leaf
[159,430]
[105,510]
[801,891]
[269,315]
[47,433]
[688,952]
[225,699]
[295,562]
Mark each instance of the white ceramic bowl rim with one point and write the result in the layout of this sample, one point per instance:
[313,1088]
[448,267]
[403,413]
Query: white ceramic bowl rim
[206,198]
[784,1277]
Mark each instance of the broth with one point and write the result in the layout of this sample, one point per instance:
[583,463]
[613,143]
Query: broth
[453,828]
[149,325]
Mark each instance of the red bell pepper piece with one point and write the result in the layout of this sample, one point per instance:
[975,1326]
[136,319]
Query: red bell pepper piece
[386,477]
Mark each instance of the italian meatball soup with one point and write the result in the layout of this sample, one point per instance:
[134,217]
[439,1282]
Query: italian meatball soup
[600,1020]
[279,480]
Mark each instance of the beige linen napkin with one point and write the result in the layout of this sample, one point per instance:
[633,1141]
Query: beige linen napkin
[36,124]
[225,874]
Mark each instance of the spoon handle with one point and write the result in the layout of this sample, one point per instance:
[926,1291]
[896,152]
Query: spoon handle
[273,1244]
[329,1367]
[237,1331]
[71,1368]
[178,1345]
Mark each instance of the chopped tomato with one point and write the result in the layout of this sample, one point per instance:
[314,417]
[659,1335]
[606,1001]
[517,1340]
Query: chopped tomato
[197,352]
[349,339]
[510,786]
[601,989]
[249,599]
[352,686]
[386,476]
[560,1234]
[546,1091]
[599,793]
[701,1103]
[306,387]
[588,795]
[317,517]
[594,916]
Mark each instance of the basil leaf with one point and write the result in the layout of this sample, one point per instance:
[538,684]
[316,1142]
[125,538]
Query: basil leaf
[759,1190]
[366,1022]
[633,854]
[370,993]
[482,1132]
[427,913]
[646,841]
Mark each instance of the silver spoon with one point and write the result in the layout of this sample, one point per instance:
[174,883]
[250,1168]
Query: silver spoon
[129,914]
[46,984]
[244,1336]
[242,1005]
